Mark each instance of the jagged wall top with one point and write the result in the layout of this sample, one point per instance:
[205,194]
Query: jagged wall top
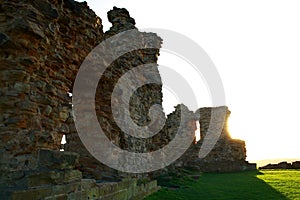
[121,21]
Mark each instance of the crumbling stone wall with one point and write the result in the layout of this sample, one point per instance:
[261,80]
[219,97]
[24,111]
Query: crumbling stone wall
[227,154]
[42,46]
[43,43]
[282,165]
[172,127]
[140,102]
[226,148]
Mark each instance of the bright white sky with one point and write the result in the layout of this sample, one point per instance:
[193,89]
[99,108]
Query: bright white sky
[255,46]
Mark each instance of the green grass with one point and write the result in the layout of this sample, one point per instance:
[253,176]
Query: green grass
[287,182]
[266,184]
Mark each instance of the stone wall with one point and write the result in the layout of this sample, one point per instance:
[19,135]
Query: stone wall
[283,165]
[67,183]
[42,46]
[227,154]
[139,104]
[226,148]
[43,43]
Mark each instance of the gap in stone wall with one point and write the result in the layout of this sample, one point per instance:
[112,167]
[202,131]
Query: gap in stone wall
[63,142]
[64,138]
[197,132]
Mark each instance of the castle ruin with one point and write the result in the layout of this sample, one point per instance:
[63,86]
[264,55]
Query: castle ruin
[43,43]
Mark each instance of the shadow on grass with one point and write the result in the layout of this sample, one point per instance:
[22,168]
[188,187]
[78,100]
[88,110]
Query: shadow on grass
[241,185]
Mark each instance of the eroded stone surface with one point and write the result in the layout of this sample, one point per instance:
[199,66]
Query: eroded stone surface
[43,44]
[226,155]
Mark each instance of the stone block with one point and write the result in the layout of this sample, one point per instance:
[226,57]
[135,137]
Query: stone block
[57,197]
[77,196]
[92,193]
[46,8]
[105,188]
[13,75]
[38,193]
[53,177]
[71,176]
[67,188]
[31,28]
[57,159]
[22,87]
[88,183]
[47,110]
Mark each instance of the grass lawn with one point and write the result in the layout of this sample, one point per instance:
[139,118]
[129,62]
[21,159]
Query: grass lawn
[287,182]
[265,184]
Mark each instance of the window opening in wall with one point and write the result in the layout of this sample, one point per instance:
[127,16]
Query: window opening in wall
[62,143]
[197,132]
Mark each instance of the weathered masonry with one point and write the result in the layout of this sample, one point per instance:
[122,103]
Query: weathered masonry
[42,45]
